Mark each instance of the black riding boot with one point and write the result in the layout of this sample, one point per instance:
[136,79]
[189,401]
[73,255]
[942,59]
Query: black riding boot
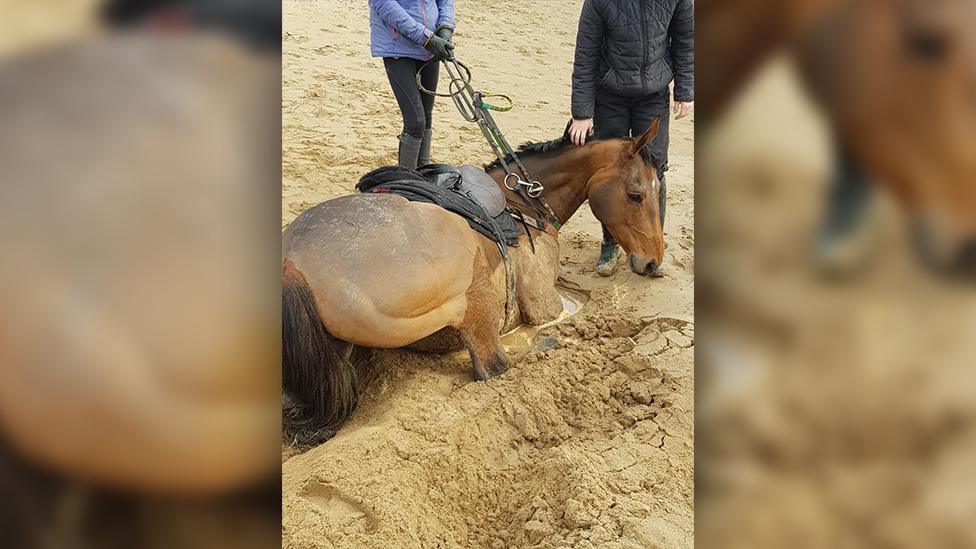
[409,152]
[608,254]
[843,236]
[424,157]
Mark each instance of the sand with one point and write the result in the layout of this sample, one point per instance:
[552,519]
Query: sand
[833,411]
[587,444]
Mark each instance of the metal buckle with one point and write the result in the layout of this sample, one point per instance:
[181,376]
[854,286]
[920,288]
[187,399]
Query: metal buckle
[533,189]
[517,182]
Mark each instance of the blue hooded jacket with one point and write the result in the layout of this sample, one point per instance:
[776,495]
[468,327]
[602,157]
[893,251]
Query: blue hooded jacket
[399,28]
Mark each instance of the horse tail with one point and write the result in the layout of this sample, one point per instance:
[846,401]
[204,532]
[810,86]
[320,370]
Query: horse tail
[317,375]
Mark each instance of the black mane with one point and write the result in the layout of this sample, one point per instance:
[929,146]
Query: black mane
[532,148]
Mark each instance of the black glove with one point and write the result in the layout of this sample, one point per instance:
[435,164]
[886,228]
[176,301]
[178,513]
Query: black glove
[439,48]
[447,33]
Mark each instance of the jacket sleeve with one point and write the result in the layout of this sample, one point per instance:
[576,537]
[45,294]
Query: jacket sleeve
[445,10]
[393,15]
[683,50]
[586,65]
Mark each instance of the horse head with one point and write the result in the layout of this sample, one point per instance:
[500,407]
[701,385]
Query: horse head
[925,155]
[623,195]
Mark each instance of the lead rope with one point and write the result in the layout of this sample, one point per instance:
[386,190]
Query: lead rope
[473,108]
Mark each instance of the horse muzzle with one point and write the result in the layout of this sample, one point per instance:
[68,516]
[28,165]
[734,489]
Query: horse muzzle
[963,261]
[950,256]
[643,268]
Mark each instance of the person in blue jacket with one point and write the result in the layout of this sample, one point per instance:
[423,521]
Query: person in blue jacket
[407,34]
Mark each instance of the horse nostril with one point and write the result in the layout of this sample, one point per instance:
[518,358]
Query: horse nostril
[966,257]
[651,268]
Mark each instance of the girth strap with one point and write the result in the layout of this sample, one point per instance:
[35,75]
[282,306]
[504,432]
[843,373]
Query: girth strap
[532,222]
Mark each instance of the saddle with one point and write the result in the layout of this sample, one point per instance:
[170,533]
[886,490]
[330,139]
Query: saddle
[470,181]
[466,191]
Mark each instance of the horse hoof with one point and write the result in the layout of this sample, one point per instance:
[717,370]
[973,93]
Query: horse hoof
[481,375]
[546,344]
[499,365]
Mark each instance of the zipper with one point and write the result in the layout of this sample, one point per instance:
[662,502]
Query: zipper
[644,39]
[423,14]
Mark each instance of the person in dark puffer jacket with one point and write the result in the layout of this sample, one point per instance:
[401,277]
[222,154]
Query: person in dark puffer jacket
[627,54]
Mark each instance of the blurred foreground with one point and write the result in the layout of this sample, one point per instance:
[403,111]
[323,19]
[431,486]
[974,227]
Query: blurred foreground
[834,404]
[139,196]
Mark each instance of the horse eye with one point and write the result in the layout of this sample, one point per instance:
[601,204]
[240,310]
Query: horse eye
[634,197]
[927,45]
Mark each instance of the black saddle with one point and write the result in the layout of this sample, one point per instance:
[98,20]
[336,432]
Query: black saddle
[470,181]
[466,191]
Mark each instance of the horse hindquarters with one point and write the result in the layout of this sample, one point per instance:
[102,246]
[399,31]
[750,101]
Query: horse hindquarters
[316,369]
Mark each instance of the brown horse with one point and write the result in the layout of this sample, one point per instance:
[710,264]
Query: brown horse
[133,361]
[377,271]
[894,78]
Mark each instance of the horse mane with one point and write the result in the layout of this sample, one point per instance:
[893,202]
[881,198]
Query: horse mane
[531,148]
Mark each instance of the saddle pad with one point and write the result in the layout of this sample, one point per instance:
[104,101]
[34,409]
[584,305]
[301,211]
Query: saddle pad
[409,184]
[388,174]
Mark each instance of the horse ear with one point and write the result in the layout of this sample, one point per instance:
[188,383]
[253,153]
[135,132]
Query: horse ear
[646,137]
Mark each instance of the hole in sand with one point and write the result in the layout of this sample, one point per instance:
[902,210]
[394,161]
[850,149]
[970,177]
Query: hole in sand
[522,338]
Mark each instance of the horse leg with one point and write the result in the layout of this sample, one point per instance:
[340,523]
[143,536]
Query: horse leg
[538,300]
[480,326]
[446,340]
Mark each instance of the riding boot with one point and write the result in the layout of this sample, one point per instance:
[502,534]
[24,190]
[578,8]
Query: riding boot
[424,157]
[662,200]
[662,207]
[607,264]
[845,232]
[409,151]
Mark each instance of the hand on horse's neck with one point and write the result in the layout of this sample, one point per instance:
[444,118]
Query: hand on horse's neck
[564,174]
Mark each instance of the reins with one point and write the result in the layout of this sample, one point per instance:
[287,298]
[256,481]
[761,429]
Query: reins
[474,108]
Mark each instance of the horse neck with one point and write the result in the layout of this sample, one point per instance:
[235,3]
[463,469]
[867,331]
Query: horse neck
[564,173]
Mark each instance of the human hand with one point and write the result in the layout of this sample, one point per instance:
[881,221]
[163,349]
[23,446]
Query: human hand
[447,33]
[579,130]
[682,109]
[439,48]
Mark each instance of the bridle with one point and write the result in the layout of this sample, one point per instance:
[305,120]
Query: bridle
[473,107]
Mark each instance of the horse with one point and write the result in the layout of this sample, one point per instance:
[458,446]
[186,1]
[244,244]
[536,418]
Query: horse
[376,271]
[895,80]
[133,363]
